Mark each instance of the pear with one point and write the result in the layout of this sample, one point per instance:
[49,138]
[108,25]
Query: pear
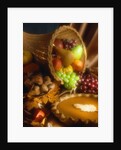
[27,57]
[77,51]
[66,55]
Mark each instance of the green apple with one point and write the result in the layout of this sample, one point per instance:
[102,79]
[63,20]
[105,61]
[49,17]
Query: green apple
[77,51]
[27,57]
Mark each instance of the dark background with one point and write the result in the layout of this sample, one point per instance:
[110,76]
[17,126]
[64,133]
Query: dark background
[40,28]
[88,32]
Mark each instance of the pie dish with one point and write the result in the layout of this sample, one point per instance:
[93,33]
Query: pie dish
[74,108]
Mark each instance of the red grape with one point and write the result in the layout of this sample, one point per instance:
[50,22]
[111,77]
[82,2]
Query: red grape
[88,83]
[69,44]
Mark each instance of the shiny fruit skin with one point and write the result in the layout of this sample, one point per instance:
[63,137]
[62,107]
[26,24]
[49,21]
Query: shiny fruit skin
[78,65]
[39,115]
[77,51]
[70,79]
[88,83]
[57,64]
[27,57]
[69,44]
[58,43]
[30,68]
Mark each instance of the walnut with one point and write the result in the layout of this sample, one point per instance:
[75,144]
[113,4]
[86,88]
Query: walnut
[37,79]
[44,88]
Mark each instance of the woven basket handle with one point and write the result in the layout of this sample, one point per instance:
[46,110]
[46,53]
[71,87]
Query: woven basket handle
[32,42]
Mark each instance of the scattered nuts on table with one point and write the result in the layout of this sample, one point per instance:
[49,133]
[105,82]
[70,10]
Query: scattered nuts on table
[38,79]
[37,90]
[51,86]
[28,83]
[47,78]
[44,88]
[38,85]
[47,82]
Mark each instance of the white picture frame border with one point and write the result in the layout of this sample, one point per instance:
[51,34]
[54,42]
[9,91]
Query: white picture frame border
[16,18]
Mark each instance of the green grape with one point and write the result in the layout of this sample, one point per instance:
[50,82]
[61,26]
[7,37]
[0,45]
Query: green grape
[70,79]
[70,88]
[65,80]
[66,85]
[73,75]
[69,73]
[77,78]
[72,84]
[64,75]
[58,73]
[68,76]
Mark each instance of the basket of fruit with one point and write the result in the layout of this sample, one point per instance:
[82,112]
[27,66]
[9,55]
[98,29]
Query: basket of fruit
[62,53]
[66,56]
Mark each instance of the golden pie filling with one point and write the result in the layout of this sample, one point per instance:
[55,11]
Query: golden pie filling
[82,108]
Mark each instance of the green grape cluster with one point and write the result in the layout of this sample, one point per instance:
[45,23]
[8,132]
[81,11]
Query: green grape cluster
[70,79]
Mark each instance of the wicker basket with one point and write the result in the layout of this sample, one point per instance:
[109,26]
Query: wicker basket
[41,46]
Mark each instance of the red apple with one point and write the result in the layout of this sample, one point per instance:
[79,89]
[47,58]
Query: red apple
[39,115]
[58,43]
[57,64]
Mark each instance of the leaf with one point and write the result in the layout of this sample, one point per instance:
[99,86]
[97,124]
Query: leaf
[30,104]
[52,95]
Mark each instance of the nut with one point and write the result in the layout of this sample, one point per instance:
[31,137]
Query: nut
[37,89]
[51,86]
[44,88]
[47,78]
[27,83]
[38,79]
[47,82]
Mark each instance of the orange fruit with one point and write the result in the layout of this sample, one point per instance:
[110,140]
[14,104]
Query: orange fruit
[77,65]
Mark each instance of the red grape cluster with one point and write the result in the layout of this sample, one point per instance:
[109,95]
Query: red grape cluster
[88,83]
[69,44]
